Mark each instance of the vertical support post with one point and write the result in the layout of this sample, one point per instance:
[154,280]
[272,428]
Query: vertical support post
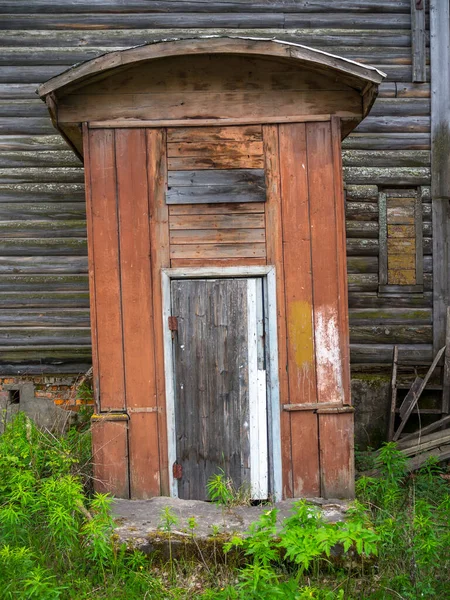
[440,163]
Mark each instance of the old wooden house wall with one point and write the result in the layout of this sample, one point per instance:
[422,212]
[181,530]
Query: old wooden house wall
[44,317]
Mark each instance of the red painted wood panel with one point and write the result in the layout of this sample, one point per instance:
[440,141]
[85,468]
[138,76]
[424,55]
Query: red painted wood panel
[110,456]
[136,285]
[299,307]
[92,294]
[159,253]
[325,273]
[105,252]
[336,455]
[341,258]
[274,251]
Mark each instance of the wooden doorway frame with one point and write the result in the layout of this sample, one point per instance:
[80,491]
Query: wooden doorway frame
[267,273]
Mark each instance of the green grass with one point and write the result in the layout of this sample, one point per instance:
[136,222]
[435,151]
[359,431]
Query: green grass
[57,537]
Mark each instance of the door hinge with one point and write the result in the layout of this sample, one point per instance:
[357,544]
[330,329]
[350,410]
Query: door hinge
[173,323]
[177,470]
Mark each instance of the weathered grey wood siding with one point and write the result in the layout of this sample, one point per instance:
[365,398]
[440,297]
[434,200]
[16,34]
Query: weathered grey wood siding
[44,321]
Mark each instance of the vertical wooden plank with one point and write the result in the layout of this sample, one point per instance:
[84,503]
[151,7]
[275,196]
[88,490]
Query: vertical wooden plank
[299,306]
[382,257]
[418,41]
[159,256]
[440,163]
[105,249]
[110,455]
[274,249]
[336,455]
[341,258]
[324,263]
[91,262]
[136,286]
[335,429]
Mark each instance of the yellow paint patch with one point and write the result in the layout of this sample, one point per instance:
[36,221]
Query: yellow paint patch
[300,332]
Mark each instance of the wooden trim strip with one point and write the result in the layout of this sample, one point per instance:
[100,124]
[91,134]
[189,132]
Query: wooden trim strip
[121,123]
[110,416]
[311,406]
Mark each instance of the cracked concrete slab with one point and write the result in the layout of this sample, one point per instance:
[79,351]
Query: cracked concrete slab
[140,523]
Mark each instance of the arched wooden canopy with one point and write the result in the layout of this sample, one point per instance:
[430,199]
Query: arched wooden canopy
[209,80]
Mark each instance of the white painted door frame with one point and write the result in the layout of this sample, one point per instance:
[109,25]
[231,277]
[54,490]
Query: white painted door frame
[270,383]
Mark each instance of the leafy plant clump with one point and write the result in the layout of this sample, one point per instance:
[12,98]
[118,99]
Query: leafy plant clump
[55,541]
[57,537]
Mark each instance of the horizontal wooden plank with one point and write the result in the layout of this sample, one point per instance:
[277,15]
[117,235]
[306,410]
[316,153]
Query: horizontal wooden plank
[218,250]
[387,141]
[38,211]
[41,192]
[381,316]
[207,19]
[362,282]
[385,158]
[361,193]
[43,265]
[195,6]
[401,231]
[361,211]
[44,299]
[362,247]
[22,317]
[45,353]
[412,354]
[42,229]
[215,209]
[233,185]
[217,236]
[224,161]
[219,221]
[388,176]
[215,177]
[26,126]
[217,262]
[215,194]
[202,148]
[12,336]
[18,90]
[247,133]
[390,333]
[48,175]
[29,73]
[362,264]
[39,158]
[373,300]
[43,246]
[394,125]
[118,38]
[361,229]
[32,142]
[401,107]
[23,108]
[40,283]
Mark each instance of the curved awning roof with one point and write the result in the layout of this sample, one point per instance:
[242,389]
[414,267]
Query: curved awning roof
[358,78]
[83,72]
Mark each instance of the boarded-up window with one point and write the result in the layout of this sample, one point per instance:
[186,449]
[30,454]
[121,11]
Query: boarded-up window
[401,252]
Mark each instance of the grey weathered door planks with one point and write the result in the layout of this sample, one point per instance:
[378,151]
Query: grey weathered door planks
[211,372]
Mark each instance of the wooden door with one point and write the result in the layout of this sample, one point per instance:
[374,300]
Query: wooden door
[220,397]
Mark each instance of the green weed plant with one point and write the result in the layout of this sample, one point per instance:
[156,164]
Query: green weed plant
[57,538]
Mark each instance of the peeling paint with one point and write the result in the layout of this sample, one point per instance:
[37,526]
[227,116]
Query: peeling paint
[328,355]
